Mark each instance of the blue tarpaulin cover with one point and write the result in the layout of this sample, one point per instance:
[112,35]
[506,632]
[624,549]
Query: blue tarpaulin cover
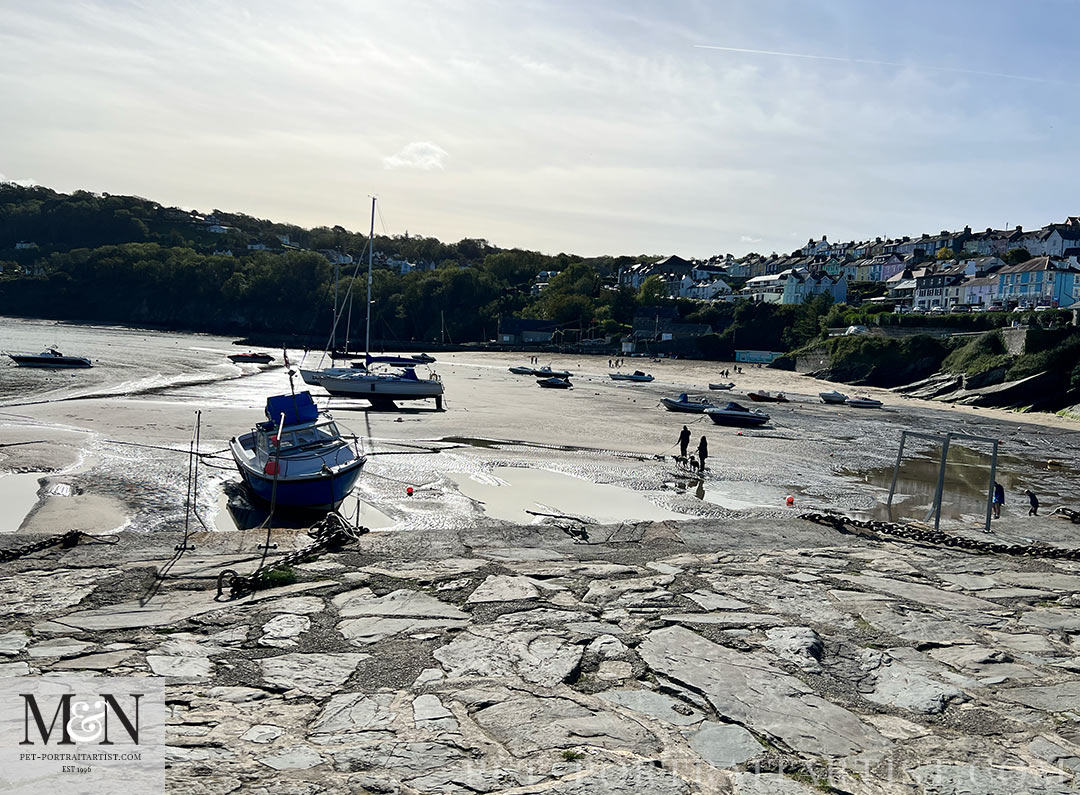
[296,408]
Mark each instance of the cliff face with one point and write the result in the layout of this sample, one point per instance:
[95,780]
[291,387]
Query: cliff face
[1030,368]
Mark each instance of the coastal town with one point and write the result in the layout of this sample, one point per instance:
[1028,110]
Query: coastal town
[962,271]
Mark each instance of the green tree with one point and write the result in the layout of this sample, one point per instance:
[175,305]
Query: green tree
[1016,255]
[652,291]
[946,253]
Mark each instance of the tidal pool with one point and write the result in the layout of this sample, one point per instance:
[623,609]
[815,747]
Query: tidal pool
[18,496]
[509,493]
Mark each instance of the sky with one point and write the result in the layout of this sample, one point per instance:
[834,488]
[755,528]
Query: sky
[689,127]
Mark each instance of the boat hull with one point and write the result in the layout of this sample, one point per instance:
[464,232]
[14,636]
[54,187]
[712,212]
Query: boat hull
[721,387]
[382,389]
[737,419]
[54,362]
[759,397]
[641,379]
[316,493]
[251,358]
[554,383]
[686,408]
[856,403]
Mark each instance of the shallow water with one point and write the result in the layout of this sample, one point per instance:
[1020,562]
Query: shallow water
[509,493]
[18,496]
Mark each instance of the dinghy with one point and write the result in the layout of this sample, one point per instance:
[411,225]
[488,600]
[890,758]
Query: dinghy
[737,416]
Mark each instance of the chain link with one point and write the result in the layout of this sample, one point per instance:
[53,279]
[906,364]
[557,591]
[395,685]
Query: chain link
[67,541]
[844,524]
[330,533]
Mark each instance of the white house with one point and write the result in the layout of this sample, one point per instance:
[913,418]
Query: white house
[708,289]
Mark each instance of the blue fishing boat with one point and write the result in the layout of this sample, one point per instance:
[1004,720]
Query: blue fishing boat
[297,458]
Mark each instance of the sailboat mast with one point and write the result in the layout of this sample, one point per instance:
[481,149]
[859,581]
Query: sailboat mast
[370,262]
[333,326]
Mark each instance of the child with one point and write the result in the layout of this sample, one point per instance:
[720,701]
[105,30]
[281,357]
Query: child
[1034,500]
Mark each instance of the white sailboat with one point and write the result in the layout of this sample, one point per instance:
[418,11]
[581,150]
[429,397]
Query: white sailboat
[381,388]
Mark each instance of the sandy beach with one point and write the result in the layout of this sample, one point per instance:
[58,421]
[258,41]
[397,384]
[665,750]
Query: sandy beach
[101,465]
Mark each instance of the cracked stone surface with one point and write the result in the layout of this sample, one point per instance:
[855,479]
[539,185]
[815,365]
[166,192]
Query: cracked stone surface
[712,657]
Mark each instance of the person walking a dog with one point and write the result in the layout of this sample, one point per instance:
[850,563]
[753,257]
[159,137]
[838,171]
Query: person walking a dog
[684,441]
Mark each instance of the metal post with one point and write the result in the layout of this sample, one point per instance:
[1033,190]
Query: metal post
[936,510]
[990,493]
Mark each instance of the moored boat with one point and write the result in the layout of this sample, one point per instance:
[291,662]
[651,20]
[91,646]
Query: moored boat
[522,370]
[251,357]
[738,416]
[547,372]
[554,383]
[297,458]
[833,397]
[764,396]
[723,387]
[637,375]
[381,387]
[686,405]
[864,402]
[49,358]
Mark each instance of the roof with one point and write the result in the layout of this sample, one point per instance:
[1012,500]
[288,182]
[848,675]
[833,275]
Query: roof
[1038,264]
[517,325]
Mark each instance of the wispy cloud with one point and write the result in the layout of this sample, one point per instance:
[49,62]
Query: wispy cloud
[422,155]
[748,239]
[897,64]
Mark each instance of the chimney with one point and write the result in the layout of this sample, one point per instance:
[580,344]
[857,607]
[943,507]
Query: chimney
[1019,228]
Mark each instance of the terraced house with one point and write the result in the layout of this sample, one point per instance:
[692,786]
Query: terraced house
[1041,281]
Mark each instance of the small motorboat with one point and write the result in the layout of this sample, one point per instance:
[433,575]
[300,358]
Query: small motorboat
[49,358]
[423,358]
[637,375]
[686,405]
[864,402]
[554,383]
[722,386]
[251,358]
[738,416]
[297,458]
[547,372]
[522,370]
[764,396]
[833,398]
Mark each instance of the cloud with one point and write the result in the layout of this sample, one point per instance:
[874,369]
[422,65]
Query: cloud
[748,239]
[897,64]
[22,183]
[423,155]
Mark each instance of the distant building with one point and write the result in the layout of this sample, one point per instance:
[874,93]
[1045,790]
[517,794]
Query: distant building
[524,331]
[25,246]
[1041,281]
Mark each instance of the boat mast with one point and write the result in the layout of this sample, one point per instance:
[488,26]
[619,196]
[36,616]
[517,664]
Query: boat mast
[334,320]
[370,261]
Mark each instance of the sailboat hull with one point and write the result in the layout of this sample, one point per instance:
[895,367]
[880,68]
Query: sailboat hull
[381,388]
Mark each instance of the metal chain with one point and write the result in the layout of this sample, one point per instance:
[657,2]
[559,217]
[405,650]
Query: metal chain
[928,536]
[67,540]
[329,533]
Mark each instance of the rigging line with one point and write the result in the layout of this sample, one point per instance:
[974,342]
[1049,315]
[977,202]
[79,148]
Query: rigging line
[382,223]
[346,297]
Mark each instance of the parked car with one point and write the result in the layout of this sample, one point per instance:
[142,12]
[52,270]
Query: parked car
[962,308]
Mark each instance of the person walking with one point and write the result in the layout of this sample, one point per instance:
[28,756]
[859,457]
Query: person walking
[703,452]
[999,499]
[684,441]
[1033,499]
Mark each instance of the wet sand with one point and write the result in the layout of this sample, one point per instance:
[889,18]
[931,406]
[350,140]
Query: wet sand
[101,469]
